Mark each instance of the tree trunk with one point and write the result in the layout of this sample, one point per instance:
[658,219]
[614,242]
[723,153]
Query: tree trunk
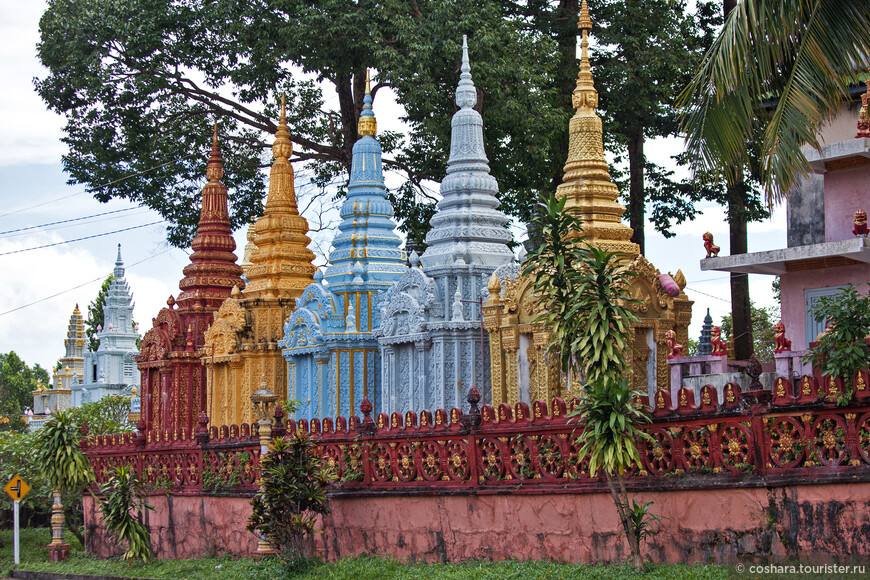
[350,89]
[636,192]
[620,498]
[741,316]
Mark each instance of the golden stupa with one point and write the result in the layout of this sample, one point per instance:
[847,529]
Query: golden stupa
[521,368]
[241,346]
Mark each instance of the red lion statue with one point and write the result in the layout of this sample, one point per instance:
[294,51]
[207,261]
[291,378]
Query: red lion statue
[860,228]
[712,249]
[719,346]
[782,343]
[676,350]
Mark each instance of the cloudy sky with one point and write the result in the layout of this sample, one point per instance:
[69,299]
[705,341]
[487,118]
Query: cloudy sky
[42,286]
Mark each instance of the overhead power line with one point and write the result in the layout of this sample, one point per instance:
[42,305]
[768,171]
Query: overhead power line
[102,185]
[80,285]
[78,219]
[84,238]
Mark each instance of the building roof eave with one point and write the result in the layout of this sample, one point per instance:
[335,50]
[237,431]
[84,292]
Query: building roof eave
[799,258]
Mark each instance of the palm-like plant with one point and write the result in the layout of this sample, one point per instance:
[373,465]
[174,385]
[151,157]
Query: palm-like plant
[611,415]
[782,66]
[122,495]
[583,294]
[64,466]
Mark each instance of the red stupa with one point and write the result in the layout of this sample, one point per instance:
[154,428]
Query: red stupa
[173,381]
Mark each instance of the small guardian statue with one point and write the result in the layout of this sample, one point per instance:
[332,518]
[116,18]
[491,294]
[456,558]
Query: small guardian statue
[860,222]
[718,346]
[782,344]
[712,249]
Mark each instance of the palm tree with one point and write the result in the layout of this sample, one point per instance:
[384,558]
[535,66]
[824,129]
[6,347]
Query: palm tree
[779,68]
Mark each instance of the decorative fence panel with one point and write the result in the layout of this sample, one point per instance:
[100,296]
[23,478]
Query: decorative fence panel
[793,434]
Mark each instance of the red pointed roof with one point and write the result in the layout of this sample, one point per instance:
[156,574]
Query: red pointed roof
[212,272]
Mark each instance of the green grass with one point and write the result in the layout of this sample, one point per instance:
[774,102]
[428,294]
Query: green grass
[35,557]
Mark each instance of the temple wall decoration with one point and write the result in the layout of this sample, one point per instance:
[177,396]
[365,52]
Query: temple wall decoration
[241,347]
[431,338]
[331,353]
[173,388]
[522,369]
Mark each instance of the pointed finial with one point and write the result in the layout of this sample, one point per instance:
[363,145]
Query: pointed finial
[466,93]
[585,22]
[215,169]
[118,273]
[585,97]
[368,125]
[283,147]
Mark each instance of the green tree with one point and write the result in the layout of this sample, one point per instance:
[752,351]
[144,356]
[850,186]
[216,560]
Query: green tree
[763,320]
[786,76]
[96,318]
[17,383]
[647,52]
[17,458]
[63,464]
[138,80]
[106,416]
[583,292]
[181,62]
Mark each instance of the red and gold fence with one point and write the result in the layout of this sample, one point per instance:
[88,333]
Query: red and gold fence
[794,434]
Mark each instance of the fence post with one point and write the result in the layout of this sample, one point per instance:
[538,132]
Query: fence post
[471,422]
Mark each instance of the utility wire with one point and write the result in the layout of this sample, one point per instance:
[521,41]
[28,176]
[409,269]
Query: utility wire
[80,239]
[80,285]
[102,185]
[87,223]
[710,295]
[70,220]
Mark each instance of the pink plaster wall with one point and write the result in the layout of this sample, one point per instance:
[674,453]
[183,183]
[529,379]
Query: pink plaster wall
[184,526]
[793,285]
[846,190]
[697,525]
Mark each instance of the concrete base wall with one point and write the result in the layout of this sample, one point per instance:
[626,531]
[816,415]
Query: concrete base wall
[807,521]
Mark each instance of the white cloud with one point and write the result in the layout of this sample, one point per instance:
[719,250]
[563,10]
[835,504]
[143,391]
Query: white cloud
[30,132]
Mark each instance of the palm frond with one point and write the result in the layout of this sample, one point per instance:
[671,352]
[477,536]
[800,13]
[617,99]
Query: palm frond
[796,57]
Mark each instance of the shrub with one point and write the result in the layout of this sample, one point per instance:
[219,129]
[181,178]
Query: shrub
[842,350]
[123,494]
[294,480]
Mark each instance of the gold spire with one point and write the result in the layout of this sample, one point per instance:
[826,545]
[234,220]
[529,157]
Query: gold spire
[281,263]
[587,181]
[368,125]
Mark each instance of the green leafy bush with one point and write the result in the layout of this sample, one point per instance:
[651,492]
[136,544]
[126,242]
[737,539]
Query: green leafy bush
[294,480]
[17,457]
[842,350]
[103,417]
[121,495]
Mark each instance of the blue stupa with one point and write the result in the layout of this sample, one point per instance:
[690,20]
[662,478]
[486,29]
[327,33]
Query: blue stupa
[332,355]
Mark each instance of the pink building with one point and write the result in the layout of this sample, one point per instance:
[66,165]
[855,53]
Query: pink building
[823,254]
